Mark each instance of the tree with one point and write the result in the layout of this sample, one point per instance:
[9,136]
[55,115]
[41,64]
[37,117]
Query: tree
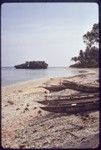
[81,56]
[89,57]
[92,37]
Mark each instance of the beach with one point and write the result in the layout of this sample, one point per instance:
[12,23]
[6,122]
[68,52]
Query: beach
[26,125]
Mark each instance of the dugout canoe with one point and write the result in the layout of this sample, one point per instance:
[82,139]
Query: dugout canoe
[65,102]
[73,108]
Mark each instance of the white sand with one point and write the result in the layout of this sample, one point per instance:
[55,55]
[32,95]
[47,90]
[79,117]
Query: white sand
[19,109]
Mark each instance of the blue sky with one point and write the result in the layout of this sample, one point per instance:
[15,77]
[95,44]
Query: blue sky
[44,31]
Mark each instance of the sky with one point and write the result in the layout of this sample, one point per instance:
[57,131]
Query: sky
[52,32]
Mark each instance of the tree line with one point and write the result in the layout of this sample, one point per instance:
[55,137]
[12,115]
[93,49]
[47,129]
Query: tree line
[90,56]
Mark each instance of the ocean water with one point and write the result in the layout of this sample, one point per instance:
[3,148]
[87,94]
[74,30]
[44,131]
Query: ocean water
[11,75]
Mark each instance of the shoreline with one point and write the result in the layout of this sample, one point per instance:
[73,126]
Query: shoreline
[80,70]
[25,82]
[43,129]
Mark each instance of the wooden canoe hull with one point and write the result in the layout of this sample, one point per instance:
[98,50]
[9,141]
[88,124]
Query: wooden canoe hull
[74,86]
[91,106]
[66,102]
[71,97]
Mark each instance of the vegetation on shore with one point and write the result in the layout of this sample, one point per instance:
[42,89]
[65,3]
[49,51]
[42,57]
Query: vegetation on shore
[90,56]
[32,65]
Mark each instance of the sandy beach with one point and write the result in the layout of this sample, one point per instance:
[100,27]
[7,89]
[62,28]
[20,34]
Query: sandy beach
[26,125]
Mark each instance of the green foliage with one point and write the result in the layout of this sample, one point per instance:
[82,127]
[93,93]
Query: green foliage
[89,57]
[32,65]
[92,37]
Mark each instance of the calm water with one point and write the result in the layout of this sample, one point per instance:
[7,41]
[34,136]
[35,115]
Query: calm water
[10,75]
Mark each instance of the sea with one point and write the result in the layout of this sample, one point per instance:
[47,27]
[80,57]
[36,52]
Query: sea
[11,75]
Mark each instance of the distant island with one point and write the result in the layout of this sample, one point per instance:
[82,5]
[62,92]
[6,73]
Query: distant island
[32,65]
